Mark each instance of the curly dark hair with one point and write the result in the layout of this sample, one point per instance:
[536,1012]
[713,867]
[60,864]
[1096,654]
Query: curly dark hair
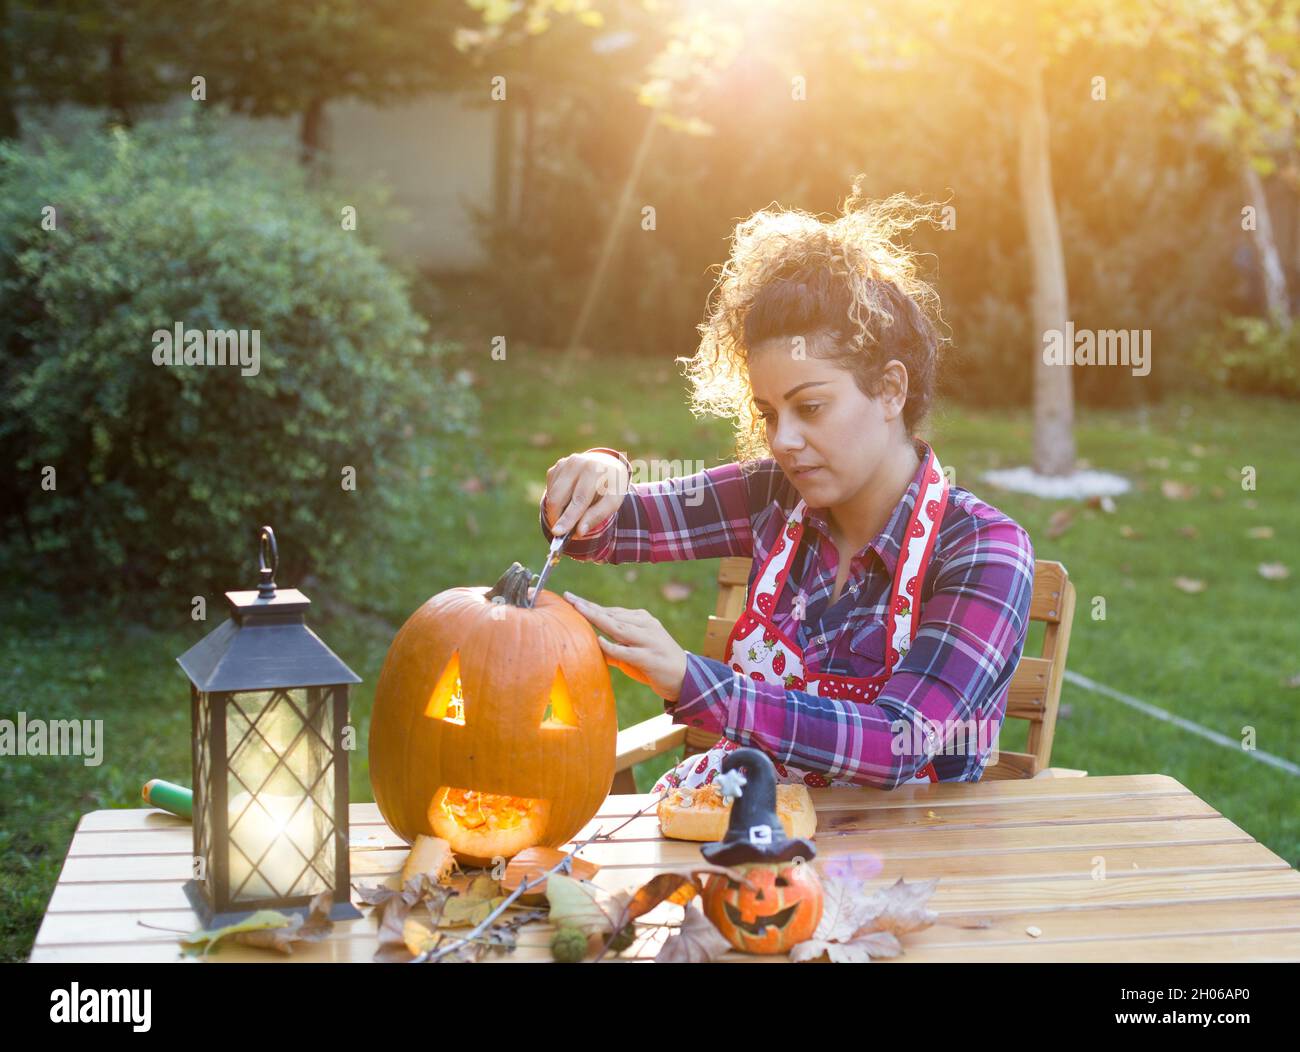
[844,284]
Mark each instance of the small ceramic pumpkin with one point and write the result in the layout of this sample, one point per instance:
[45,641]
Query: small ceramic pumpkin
[780,902]
[783,907]
[494,724]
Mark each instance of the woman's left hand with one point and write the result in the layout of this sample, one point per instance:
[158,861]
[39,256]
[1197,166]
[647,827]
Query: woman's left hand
[638,644]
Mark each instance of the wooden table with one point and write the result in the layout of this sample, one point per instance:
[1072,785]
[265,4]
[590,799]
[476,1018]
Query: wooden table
[1181,883]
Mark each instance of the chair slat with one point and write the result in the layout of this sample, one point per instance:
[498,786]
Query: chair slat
[1027,695]
[715,637]
[1049,586]
[1011,765]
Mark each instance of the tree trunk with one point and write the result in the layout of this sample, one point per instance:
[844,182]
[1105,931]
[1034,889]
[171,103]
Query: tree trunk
[528,160]
[1054,449]
[119,104]
[8,106]
[1262,237]
[311,132]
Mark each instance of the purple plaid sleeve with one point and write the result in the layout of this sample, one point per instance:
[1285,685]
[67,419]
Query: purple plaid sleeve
[951,685]
[706,515]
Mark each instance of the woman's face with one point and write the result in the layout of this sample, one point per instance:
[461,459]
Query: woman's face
[818,418]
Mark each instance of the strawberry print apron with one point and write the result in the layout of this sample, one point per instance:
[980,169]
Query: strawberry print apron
[758,649]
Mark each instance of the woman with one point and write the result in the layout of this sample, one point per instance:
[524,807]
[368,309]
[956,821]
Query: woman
[887,609]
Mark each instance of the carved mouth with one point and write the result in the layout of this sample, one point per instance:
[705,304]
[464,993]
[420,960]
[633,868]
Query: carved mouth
[483,825]
[760,926]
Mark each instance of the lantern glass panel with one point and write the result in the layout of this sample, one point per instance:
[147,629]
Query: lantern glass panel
[280,790]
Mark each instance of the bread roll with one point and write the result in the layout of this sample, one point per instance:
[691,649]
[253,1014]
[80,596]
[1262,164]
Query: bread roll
[700,814]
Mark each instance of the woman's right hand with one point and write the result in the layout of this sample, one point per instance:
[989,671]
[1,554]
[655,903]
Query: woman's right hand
[583,490]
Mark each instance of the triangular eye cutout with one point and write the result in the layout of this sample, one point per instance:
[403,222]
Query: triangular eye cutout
[446,702]
[559,708]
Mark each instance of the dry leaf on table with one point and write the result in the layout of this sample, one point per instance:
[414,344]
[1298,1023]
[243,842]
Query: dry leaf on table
[697,941]
[393,907]
[269,929]
[315,927]
[855,927]
[675,886]
[903,906]
[471,906]
[583,905]
[418,937]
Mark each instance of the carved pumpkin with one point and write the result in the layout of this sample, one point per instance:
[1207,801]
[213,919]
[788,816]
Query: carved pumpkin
[783,908]
[494,724]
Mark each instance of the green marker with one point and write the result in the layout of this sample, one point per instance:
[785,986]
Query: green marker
[168,796]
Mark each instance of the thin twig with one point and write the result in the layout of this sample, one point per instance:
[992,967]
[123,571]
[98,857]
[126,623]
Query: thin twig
[155,927]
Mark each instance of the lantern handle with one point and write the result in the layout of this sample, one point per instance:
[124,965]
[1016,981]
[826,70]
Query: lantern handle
[268,558]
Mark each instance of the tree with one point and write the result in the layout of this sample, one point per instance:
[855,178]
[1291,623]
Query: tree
[293,57]
[94,53]
[1236,64]
[1013,42]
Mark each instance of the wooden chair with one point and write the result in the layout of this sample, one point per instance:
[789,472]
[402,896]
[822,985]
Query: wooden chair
[1034,695]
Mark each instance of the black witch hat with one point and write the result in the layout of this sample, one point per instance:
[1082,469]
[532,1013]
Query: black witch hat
[754,832]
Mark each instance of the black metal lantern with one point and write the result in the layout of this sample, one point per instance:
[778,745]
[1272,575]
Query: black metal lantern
[268,703]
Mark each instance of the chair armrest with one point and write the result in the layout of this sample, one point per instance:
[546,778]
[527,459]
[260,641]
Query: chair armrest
[649,738]
[1061,772]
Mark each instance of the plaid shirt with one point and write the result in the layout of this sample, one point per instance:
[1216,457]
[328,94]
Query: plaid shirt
[974,618]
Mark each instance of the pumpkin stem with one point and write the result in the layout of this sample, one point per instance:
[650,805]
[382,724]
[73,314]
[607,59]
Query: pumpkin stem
[513,585]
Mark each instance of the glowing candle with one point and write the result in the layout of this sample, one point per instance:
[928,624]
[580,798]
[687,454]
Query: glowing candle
[281,829]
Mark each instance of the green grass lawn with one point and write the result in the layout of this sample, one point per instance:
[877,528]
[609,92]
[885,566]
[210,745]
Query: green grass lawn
[1222,657]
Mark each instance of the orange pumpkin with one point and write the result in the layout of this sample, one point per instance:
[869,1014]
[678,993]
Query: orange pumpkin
[783,907]
[494,724]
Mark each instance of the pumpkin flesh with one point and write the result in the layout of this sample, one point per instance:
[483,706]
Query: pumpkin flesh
[483,826]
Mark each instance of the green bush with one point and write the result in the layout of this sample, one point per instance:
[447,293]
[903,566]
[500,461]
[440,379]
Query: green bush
[162,473]
[1254,356]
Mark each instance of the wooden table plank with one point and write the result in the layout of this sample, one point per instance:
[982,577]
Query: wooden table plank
[971,815]
[952,870]
[1181,881]
[1272,946]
